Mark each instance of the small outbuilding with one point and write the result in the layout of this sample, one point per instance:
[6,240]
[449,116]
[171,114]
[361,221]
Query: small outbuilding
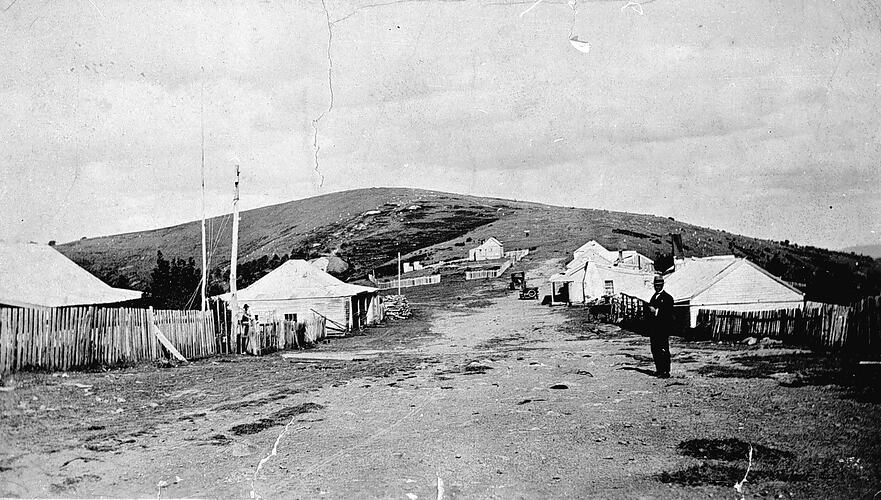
[490,249]
[727,283]
[36,275]
[297,289]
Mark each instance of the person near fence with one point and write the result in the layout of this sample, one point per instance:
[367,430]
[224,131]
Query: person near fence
[660,326]
[246,322]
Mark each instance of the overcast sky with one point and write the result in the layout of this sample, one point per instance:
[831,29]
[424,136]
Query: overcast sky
[759,117]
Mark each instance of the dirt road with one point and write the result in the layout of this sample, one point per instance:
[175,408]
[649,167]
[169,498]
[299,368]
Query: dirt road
[485,396]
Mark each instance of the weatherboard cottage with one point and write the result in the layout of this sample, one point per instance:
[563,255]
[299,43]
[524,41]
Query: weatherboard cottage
[297,290]
[490,249]
[727,283]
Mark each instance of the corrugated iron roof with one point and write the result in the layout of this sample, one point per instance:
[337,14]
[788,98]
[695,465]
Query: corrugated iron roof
[298,279]
[693,275]
[34,274]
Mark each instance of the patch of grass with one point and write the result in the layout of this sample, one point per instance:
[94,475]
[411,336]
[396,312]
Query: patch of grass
[807,369]
[278,418]
[582,323]
[727,461]
[478,304]
[724,371]
[718,474]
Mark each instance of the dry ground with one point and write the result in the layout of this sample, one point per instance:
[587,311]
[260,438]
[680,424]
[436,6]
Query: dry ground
[499,398]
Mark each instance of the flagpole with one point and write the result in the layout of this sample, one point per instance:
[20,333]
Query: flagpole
[204,248]
[234,257]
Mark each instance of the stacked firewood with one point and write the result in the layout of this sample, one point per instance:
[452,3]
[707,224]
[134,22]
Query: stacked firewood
[396,307]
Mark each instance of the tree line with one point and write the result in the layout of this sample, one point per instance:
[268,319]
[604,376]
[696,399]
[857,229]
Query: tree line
[176,283]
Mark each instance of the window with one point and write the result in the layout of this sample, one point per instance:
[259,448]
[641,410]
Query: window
[290,317]
[610,287]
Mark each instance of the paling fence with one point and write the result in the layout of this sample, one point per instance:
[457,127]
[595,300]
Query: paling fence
[64,338]
[828,326]
[266,336]
[855,328]
[188,332]
[67,338]
[286,334]
[488,273]
[409,282]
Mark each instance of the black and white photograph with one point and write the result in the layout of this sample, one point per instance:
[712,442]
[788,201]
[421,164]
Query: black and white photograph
[440,249]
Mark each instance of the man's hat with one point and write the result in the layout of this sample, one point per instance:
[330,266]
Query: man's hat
[659,279]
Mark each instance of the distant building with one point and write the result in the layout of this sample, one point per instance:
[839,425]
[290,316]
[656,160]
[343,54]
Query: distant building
[297,289]
[330,264]
[488,250]
[727,283]
[36,275]
[409,267]
[592,250]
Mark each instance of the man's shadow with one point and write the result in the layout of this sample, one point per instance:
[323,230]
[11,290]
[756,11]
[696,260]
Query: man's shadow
[645,371]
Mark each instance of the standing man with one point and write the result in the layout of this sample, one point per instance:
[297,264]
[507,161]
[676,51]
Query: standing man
[660,325]
[247,319]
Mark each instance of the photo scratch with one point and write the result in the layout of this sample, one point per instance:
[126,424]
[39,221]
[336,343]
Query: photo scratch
[534,5]
[97,9]
[272,453]
[315,146]
[635,6]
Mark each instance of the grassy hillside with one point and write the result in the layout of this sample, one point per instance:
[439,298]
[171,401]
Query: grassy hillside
[367,227]
[323,224]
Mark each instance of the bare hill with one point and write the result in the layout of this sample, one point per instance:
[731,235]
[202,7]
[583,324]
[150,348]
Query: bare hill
[873,251]
[367,227]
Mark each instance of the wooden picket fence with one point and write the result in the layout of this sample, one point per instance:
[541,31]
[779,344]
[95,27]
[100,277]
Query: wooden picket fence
[409,282]
[488,273]
[828,326]
[516,255]
[66,338]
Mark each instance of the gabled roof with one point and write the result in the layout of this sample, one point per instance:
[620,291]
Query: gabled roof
[298,279]
[593,257]
[489,241]
[577,273]
[695,275]
[594,247]
[36,275]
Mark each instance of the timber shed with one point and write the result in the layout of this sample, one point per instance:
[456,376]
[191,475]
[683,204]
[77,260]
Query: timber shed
[727,283]
[297,289]
[490,249]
